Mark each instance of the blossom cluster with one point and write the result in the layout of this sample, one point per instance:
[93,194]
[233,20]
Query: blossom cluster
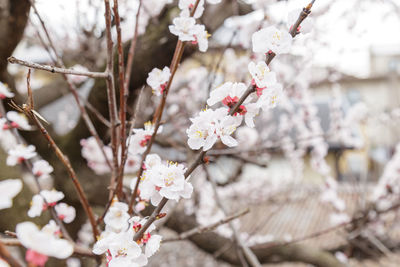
[213,125]
[117,239]
[162,179]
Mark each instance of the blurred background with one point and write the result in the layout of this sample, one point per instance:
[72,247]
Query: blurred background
[336,127]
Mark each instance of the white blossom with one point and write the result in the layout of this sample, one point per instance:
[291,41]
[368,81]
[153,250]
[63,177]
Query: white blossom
[20,153]
[183,27]
[8,190]
[188,5]
[18,120]
[271,39]
[43,241]
[261,74]
[158,80]
[5,92]
[117,217]
[65,212]
[201,37]
[210,125]
[42,169]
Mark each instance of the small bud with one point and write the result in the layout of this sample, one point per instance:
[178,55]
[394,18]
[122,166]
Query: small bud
[161,215]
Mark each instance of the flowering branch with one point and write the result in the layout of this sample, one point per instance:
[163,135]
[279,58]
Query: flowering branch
[198,161]
[54,69]
[207,228]
[159,111]
[29,111]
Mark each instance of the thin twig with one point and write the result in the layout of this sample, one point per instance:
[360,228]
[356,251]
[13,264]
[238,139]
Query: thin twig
[71,86]
[132,47]
[54,69]
[207,228]
[123,97]
[29,111]
[6,255]
[112,103]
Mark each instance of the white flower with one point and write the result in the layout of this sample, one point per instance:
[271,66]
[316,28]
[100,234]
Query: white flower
[270,97]
[117,217]
[94,156]
[229,94]
[42,169]
[38,204]
[120,248]
[183,28]
[132,163]
[210,125]
[4,91]
[170,181]
[305,26]
[158,79]
[213,1]
[18,120]
[201,37]
[19,154]
[138,141]
[261,74]
[65,212]
[152,242]
[271,39]
[8,190]
[43,242]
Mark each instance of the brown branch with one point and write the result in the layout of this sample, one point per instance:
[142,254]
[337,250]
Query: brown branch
[123,97]
[131,52]
[54,69]
[207,228]
[29,111]
[6,255]
[112,103]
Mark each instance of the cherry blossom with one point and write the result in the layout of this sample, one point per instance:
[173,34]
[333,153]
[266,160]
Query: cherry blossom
[18,120]
[201,37]
[158,80]
[210,125]
[43,241]
[65,212]
[117,217]
[138,141]
[183,27]
[270,97]
[94,156]
[38,203]
[5,92]
[271,39]
[42,169]
[262,75]
[8,190]
[20,153]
